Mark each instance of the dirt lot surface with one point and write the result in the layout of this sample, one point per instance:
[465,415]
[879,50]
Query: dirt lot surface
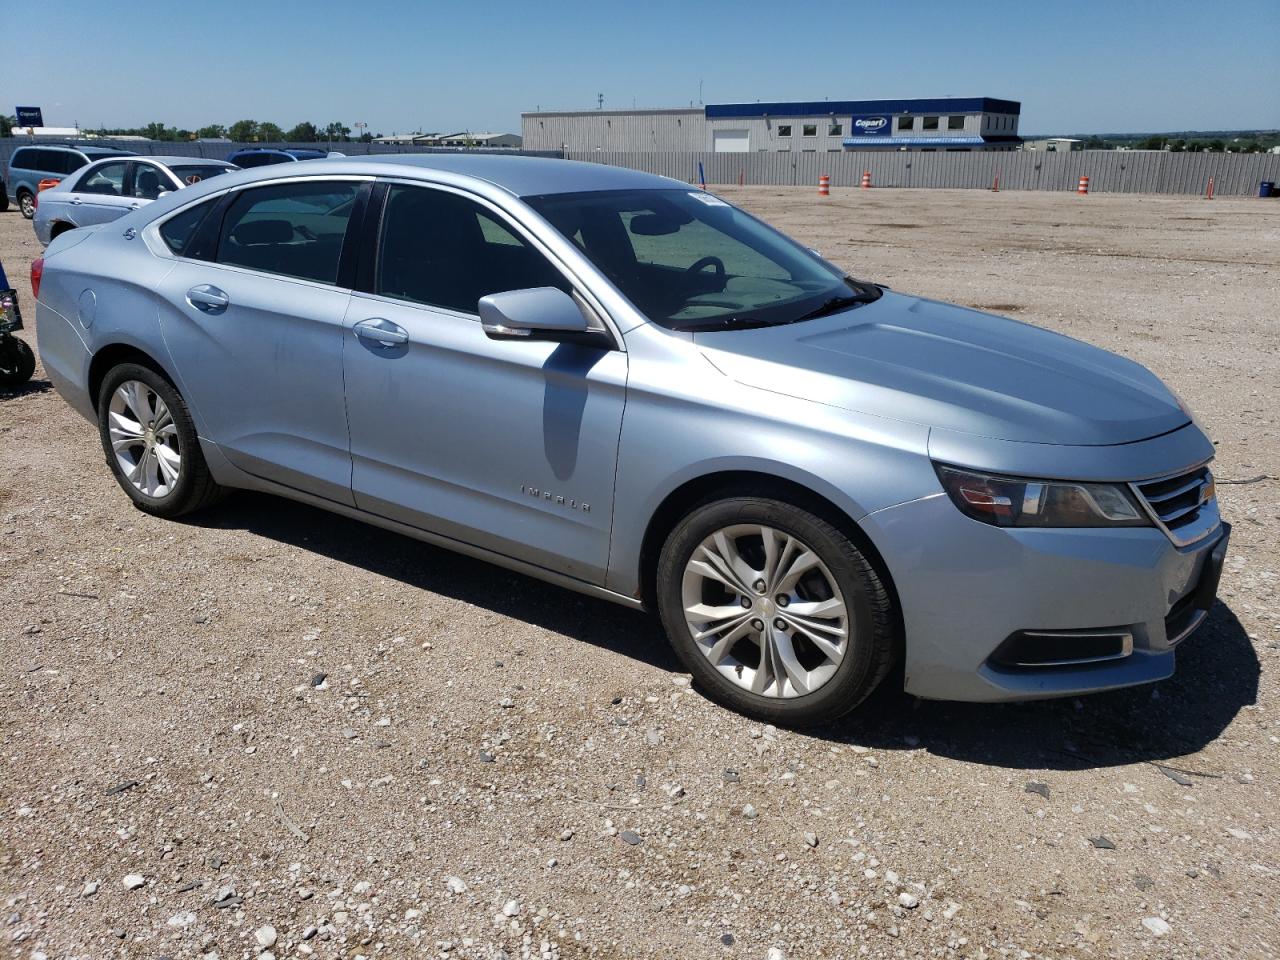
[494,767]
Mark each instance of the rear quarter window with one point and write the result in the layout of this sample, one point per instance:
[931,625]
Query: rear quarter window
[181,231]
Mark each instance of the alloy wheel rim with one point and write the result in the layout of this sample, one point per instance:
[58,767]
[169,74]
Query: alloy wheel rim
[144,439]
[765,611]
[28,206]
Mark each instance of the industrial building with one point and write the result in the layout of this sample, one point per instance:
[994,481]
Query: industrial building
[820,126]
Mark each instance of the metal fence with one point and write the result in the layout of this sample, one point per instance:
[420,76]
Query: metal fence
[220,151]
[1109,171]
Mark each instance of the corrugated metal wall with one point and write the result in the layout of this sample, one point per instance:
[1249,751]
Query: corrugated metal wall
[659,131]
[1109,171]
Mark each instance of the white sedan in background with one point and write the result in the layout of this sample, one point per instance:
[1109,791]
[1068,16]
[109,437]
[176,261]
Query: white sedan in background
[110,188]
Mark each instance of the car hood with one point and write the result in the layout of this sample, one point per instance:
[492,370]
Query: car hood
[952,368]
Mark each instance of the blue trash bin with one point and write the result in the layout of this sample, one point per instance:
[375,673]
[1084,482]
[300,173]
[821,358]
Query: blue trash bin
[1266,189]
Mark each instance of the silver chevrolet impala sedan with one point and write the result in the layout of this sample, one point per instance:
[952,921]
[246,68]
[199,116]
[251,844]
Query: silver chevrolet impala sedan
[631,388]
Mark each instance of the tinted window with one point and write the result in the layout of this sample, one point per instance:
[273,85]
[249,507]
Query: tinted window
[294,229]
[442,249]
[178,232]
[71,162]
[106,180]
[906,123]
[260,159]
[22,159]
[955,123]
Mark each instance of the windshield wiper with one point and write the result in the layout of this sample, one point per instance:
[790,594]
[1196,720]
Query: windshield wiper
[866,294]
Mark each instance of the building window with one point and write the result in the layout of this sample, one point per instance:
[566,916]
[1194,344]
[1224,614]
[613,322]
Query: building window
[835,130]
[955,123]
[930,123]
[906,123]
[784,130]
[809,130]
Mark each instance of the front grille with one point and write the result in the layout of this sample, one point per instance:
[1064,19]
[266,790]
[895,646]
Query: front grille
[1184,506]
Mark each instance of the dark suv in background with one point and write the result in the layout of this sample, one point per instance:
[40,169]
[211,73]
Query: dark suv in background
[264,156]
[29,165]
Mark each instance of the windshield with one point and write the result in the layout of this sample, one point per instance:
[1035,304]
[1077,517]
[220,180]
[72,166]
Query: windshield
[690,261]
[189,173]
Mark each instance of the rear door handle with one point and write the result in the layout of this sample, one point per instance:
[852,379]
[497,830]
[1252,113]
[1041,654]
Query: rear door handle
[208,298]
[76,201]
[135,205]
[382,332]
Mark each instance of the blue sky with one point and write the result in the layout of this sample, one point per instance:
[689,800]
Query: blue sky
[400,65]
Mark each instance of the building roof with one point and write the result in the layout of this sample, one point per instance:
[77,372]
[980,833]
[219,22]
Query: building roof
[817,108]
[643,111]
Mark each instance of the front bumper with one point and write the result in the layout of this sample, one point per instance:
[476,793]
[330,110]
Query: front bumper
[965,587]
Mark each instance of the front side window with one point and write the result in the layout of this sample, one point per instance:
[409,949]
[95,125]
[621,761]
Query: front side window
[149,181]
[784,130]
[292,229]
[688,260]
[106,180]
[445,250]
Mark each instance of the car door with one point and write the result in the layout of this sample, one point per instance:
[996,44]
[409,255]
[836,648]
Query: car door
[100,193]
[252,315]
[508,445]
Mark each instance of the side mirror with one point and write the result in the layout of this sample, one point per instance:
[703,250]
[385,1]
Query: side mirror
[539,313]
[163,193]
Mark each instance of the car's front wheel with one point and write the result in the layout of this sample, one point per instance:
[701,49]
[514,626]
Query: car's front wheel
[27,203]
[774,610]
[151,444]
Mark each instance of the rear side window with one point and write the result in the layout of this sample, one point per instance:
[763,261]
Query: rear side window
[22,159]
[293,229]
[180,232]
[447,251]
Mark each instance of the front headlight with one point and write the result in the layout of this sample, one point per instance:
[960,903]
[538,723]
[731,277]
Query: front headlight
[1010,502]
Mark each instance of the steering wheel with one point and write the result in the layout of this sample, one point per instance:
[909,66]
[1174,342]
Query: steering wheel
[699,265]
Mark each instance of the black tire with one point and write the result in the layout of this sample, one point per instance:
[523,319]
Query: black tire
[17,362]
[27,203]
[4,199]
[195,487]
[872,641]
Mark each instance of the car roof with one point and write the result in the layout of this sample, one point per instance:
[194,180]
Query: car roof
[170,161]
[521,176]
[90,151]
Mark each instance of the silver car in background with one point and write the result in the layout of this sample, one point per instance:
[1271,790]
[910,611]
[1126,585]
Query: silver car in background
[108,189]
[629,387]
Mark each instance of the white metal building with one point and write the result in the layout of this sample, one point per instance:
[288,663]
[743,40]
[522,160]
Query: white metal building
[953,123]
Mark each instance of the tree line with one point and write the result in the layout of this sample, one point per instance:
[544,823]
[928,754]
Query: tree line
[242,131]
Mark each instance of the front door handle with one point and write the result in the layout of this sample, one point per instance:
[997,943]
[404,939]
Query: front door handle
[75,201]
[381,332]
[208,298]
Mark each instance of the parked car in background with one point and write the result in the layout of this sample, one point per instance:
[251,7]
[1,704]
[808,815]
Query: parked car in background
[265,156]
[29,165]
[630,387]
[108,189]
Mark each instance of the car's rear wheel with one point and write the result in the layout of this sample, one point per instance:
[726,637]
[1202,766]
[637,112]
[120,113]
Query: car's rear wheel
[27,203]
[17,362]
[151,444]
[774,610]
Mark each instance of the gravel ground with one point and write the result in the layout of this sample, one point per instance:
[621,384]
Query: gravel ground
[273,732]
